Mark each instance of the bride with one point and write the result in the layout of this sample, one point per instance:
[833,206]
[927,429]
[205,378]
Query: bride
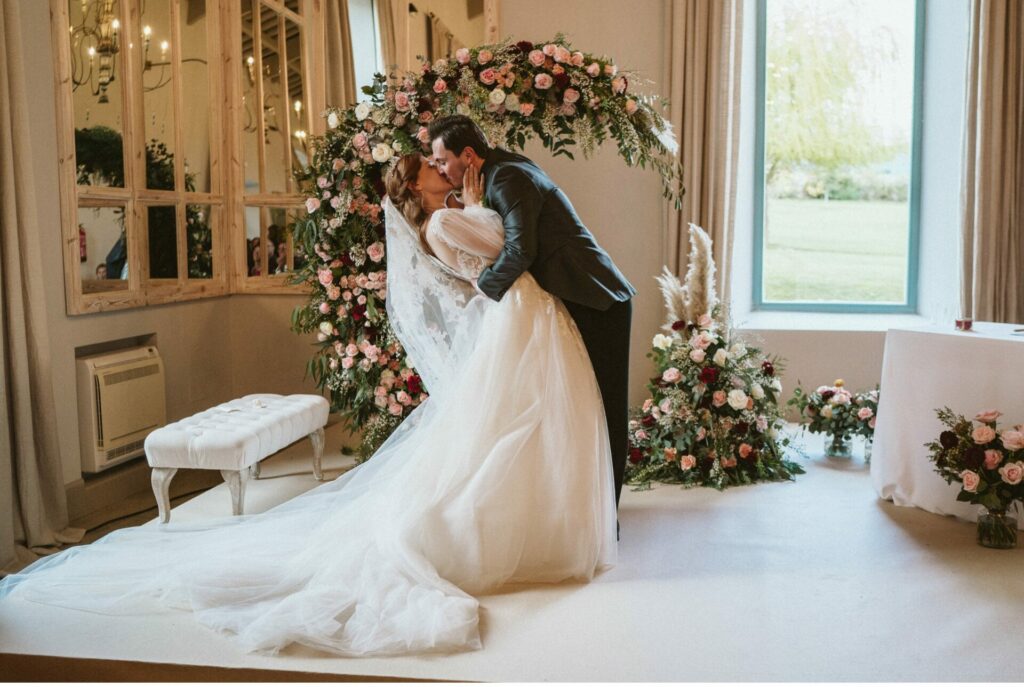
[503,475]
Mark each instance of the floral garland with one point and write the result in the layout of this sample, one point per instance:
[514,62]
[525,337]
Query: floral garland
[516,92]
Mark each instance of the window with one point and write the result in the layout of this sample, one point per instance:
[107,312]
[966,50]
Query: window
[366,47]
[838,97]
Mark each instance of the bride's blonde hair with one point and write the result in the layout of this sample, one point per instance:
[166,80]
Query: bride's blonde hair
[398,183]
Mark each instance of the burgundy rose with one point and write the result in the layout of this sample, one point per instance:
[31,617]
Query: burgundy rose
[767,368]
[648,421]
[948,439]
[346,260]
[974,457]
[358,312]
[414,384]
[827,394]
[677,325]
[380,188]
[524,46]
[740,428]
[708,375]
[562,80]
[635,455]
[370,333]
[425,105]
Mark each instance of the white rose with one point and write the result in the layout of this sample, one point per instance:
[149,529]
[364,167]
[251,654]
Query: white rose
[362,111]
[721,356]
[382,152]
[777,385]
[738,350]
[826,412]
[511,102]
[737,399]
[757,391]
[497,96]
[332,120]
[662,342]
[326,328]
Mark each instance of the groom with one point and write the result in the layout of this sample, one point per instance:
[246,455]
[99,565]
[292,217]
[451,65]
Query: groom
[544,235]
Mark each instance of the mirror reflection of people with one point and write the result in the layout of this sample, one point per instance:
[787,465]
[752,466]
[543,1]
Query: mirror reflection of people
[101,271]
[282,257]
[254,258]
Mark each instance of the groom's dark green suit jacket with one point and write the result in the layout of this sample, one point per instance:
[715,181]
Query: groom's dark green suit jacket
[544,235]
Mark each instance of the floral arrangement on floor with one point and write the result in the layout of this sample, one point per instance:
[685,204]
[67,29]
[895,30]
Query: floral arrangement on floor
[988,463]
[713,416]
[566,98]
[836,411]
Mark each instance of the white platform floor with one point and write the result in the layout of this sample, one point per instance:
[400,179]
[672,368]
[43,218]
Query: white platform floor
[815,580]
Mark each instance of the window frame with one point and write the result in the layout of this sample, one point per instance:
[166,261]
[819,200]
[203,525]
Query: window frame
[914,197]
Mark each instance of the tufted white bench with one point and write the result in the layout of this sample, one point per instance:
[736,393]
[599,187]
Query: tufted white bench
[233,438]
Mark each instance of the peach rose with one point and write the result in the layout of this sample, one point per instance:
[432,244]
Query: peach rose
[728,462]
[571,95]
[701,433]
[440,86]
[577,59]
[970,480]
[526,109]
[536,58]
[987,416]
[549,49]
[670,454]
[719,398]
[687,462]
[593,69]
[1013,440]
[745,450]
[484,56]
[671,375]
[1012,473]
[984,434]
[631,106]
[542,81]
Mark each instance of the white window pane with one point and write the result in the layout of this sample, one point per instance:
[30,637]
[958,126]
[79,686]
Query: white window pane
[362,19]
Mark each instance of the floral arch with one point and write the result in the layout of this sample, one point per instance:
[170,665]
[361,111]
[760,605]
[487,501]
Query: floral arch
[569,100]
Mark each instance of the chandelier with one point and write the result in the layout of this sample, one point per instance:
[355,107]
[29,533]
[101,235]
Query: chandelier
[98,34]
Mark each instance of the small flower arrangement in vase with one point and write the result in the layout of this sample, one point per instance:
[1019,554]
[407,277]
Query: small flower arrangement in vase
[988,464]
[838,413]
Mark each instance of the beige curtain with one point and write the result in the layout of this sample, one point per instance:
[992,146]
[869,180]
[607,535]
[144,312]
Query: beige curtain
[386,13]
[440,39]
[33,509]
[992,196]
[341,77]
[705,40]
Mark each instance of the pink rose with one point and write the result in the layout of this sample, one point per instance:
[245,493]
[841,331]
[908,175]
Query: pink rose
[611,70]
[536,58]
[423,135]
[401,101]
[324,308]
[687,462]
[577,59]
[380,391]
[762,423]
[526,109]
[1012,473]
[567,110]
[562,55]
[351,350]
[375,251]
[648,404]
[987,416]
[993,458]
[550,49]
[983,434]
[641,435]
[462,55]
[325,277]
[558,69]
[484,56]
[701,433]
[871,422]
[745,450]
[631,106]
[970,480]
[359,140]
[619,84]
[728,462]
[395,409]
[593,69]
[671,375]
[347,363]
[1013,440]
[697,355]
[704,321]
[312,204]
[488,76]
[571,95]
[426,117]
[404,398]
[865,413]
[719,398]
[440,86]
[666,406]
[541,81]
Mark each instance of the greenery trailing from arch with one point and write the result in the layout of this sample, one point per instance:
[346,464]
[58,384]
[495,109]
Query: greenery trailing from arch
[568,100]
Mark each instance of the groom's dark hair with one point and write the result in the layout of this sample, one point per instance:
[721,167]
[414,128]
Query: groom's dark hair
[459,132]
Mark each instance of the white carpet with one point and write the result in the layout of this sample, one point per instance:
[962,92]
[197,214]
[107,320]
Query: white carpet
[812,580]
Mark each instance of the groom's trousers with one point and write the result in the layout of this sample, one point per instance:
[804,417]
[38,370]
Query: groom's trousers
[606,336]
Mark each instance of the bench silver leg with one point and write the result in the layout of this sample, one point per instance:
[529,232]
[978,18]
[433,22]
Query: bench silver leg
[236,480]
[161,481]
[317,438]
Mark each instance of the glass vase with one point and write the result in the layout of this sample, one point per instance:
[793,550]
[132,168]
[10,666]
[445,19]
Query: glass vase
[869,443]
[838,446]
[997,530]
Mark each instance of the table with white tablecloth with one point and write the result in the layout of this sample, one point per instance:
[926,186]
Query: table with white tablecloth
[931,367]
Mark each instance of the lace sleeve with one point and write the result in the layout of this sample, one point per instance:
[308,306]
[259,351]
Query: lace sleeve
[475,230]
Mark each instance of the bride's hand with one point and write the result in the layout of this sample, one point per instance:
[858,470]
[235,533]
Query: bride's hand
[472,186]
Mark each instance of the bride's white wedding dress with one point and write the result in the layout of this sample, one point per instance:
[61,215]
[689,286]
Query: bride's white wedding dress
[502,475]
